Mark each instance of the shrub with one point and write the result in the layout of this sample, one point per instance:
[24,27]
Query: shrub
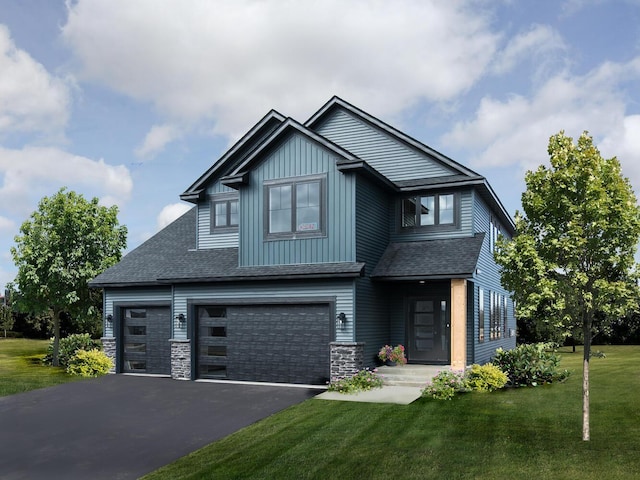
[89,363]
[530,364]
[486,378]
[445,385]
[362,381]
[69,346]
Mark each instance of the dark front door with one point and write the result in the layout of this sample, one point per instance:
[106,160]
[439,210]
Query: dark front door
[429,330]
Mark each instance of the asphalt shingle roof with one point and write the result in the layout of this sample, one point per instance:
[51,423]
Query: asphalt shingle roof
[430,259]
[170,257]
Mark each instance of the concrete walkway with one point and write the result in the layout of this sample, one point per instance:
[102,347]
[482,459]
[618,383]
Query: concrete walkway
[386,394]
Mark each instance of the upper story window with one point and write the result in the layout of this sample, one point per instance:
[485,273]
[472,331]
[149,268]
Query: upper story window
[429,210]
[495,232]
[294,207]
[225,214]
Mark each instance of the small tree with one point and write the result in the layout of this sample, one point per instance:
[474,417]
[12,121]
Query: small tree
[6,318]
[64,244]
[573,255]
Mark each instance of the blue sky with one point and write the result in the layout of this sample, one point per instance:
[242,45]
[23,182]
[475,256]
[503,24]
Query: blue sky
[130,101]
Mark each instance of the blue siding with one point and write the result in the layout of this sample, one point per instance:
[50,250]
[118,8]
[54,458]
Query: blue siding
[205,238]
[466,227]
[297,157]
[372,238]
[488,279]
[342,290]
[391,158]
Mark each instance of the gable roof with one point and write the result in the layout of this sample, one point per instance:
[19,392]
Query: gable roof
[430,259]
[251,140]
[287,127]
[338,103]
[170,257]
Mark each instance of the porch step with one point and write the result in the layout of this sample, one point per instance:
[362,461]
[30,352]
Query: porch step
[410,375]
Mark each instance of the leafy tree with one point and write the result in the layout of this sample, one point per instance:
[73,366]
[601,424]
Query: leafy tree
[573,255]
[65,243]
[6,318]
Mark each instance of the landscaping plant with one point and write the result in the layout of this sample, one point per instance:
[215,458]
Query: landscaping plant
[392,354]
[69,346]
[445,385]
[485,378]
[89,363]
[530,365]
[362,381]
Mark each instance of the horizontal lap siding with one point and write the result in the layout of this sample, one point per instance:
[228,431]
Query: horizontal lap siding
[297,157]
[391,158]
[488,279]
[372,237]
[465,230]
[205,238]
[342,290]
[138,296]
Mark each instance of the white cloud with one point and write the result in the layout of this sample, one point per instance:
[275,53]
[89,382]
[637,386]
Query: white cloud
[156,139]
[33,172]
[539,42]
[6,224]
[233,61]
[30,98]
[170,213]
[516,131]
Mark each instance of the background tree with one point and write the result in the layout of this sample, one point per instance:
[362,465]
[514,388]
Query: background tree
[6,318]
[573,255]
[64,244]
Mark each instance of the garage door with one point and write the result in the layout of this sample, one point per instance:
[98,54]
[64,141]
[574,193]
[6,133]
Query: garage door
[266,343]
[145,343]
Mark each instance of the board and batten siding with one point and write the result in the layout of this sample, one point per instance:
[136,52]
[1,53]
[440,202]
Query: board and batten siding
[372,238]
[206,239]
[342,290]
[133,296]
[465,228]
[487,278]
[298,157]
[391,158]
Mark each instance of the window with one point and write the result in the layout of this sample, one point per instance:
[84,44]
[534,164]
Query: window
[498,316]
[224,213]
[504,317]
[429,210]
[495,232]
[295,208]
[480,315]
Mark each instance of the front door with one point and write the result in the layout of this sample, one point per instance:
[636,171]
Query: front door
[429,330]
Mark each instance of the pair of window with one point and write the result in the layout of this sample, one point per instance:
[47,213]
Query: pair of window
[294,207]
[498,321]
[225,213]
[429,210]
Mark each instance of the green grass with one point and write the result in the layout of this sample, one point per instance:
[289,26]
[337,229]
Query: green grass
[21,367]
[512,434]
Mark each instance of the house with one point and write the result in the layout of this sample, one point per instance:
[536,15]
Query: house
[309,246]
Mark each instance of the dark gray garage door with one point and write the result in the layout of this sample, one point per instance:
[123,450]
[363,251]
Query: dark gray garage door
[266,343]
[145,343]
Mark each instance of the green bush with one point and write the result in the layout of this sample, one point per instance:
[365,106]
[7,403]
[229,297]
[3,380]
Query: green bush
[486,378]
[89,363]
[69,346]
[530,364]
[445,385]
[363,380]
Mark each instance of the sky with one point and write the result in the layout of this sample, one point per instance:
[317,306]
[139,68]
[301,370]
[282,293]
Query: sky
[131,101]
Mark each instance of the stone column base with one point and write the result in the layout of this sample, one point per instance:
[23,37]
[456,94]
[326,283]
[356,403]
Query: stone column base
[109,349]
[180,359]
[347,358]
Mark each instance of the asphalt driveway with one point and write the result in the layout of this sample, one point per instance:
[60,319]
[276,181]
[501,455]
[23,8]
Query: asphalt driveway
[122,427]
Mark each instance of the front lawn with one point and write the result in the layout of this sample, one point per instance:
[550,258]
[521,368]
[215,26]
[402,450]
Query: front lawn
[21,367]
[515,434]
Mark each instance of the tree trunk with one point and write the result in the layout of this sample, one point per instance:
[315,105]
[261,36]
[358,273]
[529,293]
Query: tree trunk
[56,338]
[586,434]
